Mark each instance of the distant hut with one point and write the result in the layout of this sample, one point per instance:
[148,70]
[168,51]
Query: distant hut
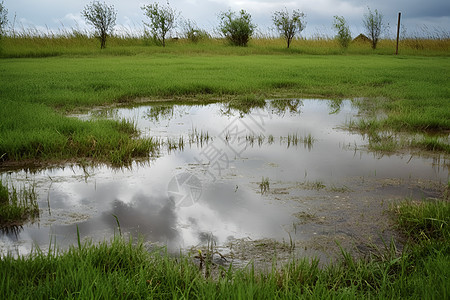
[361,39]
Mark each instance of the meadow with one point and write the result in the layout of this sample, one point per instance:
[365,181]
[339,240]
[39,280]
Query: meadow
[45,78]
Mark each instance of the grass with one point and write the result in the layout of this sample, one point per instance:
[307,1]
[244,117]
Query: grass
[47,45]
[425,220]
[123,269]
[32,131]
[38,88]
[433,143]
[199,137]
[264,185]
[43,78]
[16,206]
[294,139]
[313,185]
[385,139]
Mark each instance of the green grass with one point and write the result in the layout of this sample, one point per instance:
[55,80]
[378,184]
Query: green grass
[36,93]
[44,78]
[16,206]
[32,131]
[425,220]
[123,269]
[433,144]
[383,137]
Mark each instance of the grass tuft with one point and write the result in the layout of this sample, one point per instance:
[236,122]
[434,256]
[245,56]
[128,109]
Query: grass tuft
[428,220]
[264,185]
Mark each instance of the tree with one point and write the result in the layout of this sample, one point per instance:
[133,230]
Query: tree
[236,29]
[162,20]
[343,31]
[288,25]
[3,19]
[373,23]
[102,17]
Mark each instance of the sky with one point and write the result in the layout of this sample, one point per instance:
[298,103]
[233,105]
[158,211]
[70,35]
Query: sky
[418,16]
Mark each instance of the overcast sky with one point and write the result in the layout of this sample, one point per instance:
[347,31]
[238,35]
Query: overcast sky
[434,15]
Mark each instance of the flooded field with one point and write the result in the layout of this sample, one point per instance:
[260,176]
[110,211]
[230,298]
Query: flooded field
[284,179]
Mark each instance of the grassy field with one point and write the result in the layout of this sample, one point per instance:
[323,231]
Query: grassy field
[43,79]
[121,269]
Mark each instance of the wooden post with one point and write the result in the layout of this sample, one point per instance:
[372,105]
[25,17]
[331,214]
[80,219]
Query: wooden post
[398,32]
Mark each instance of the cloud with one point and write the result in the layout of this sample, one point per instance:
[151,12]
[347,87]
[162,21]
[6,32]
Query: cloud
[319,13]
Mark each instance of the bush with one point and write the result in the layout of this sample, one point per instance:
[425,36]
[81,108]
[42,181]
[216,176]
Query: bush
[237,29]
[343,31]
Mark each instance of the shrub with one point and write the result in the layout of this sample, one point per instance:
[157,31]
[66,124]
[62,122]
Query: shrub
[343,31]
[237,29]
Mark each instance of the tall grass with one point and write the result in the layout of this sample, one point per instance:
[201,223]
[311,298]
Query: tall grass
[123,269]
[36,44]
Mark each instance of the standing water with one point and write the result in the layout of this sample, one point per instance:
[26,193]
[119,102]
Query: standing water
[286,177]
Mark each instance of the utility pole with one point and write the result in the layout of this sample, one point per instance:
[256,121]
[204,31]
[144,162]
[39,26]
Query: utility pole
[398,32]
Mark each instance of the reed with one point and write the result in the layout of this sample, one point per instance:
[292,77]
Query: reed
[264,185]
[199,137]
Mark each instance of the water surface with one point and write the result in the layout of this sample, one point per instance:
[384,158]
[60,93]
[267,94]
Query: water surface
[323,185]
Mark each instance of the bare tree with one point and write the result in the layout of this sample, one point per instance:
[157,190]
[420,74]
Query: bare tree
[102,17]
[288,26]
[373,23]
[162,20]
[3,19]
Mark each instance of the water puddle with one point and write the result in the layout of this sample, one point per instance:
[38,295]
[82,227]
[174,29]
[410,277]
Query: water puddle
[286,178]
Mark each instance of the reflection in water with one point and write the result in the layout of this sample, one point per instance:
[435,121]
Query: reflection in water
[282,107]
[160,112]
[12,232]
[150,218]
[323,185]
[156,218]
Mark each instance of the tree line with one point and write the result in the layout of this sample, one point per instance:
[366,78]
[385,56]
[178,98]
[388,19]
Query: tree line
[236,27]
